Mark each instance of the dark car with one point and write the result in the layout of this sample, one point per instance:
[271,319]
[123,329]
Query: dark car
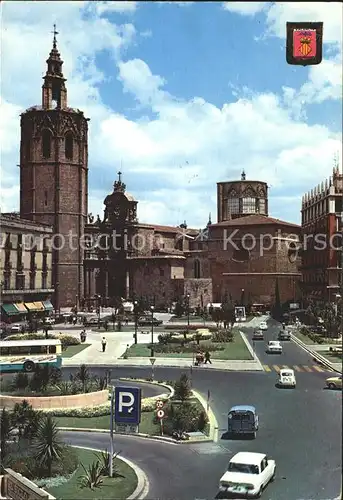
[93,322]
[284,335]
[146,321]
[258,335]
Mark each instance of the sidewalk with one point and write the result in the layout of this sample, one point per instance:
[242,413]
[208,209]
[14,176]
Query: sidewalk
[117,343]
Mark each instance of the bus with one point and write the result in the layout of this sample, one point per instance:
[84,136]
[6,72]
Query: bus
[26,355]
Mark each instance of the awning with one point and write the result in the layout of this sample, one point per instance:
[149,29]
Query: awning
[20,307]
[31,306]
[47,305]
[39,306]
[9,309]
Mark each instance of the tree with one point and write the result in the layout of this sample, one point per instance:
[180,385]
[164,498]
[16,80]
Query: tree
[277,309]
[182,388]
[6,427]
[47,444]
[27,419]
[83,376]
[179,308]
[228,313]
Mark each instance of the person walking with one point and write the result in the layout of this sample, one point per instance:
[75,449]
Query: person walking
[207,358]
[104,344]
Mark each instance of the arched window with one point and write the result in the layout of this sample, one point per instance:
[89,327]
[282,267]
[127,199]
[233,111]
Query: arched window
[69,145]
[196,269]
[46,144]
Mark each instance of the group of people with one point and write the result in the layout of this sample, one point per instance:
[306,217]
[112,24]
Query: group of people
[202,358]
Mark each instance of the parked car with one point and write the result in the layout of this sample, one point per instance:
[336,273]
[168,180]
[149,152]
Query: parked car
[258,335]
[17,328]
[263,325]
[93,322]
[334,382]
[284,335]
[274,347]
[286,378]
[49,320]
[247,474]
[146,321]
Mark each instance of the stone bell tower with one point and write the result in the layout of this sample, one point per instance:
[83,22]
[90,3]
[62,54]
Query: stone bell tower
[54,177]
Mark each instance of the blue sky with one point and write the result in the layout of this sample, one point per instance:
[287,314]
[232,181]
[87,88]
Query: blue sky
[181,97]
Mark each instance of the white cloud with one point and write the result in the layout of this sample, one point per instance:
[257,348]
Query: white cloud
[245,8]
[121,7]
[180,153]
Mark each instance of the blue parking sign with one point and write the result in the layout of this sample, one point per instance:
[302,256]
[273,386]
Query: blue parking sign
[127,405]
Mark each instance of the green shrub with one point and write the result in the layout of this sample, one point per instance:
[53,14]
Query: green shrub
[183,417]
[222,336]
[192,327]
[66,340]
[190,348]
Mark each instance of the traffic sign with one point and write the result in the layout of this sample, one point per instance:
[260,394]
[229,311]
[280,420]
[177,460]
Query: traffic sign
[159,404]
[152,361]
[127,405]
[160,414]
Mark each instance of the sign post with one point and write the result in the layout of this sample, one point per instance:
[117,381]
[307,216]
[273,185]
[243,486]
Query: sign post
[152,361]
[208,401]
[160,413]
[111,434]
[127,409]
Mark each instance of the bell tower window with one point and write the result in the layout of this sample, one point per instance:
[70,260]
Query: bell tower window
[69,145]
[46,144]
[196,269]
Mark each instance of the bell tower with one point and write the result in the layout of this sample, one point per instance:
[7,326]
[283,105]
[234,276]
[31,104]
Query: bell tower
[54,177]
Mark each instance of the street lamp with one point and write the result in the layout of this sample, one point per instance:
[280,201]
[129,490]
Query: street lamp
[187,312]
[98,299]
[135,311]
[152,332]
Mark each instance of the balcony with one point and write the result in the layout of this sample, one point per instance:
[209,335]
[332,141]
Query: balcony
[26,290]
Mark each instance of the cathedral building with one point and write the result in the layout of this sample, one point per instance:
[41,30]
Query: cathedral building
[98,260]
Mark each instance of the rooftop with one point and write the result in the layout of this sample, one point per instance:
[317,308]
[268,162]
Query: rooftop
[247,457]
[255,220]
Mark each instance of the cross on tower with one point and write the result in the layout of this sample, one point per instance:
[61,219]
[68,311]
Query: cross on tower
[119,176]
[54,33]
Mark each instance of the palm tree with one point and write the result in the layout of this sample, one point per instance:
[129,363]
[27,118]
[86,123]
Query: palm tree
[6,427]
[47,444]
[83,376]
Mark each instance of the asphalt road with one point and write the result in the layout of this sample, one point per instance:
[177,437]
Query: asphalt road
[301,429]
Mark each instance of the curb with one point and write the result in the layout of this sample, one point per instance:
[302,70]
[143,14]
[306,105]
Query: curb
[178,367]
[153,382]
[320,359]
[142,488]
[251,350]
[214,426]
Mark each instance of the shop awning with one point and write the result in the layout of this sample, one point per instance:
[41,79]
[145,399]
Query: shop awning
[9,309]
[39,306]
[20,306]
[31,306]
[47,305]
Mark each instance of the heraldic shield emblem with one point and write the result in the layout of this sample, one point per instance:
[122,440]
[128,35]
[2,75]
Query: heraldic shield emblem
[304,43]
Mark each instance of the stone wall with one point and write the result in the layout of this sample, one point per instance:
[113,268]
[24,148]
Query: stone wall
[199,290]
[41,403]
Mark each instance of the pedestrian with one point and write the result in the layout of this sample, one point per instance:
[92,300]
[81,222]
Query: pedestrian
[207,358]
[126,321]
[106,326]
[103,343]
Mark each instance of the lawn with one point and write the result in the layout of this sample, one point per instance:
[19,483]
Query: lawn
[303,338]
[232,350]
[118,487]
[332,357]
[74,349]
[146,426]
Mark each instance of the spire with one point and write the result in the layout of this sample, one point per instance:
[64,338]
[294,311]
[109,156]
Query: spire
[54,91]
[209,219]
[243,176]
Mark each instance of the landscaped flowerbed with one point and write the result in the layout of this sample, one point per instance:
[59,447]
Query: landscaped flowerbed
[66,340]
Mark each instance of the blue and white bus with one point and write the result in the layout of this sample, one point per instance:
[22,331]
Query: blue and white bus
[26,355]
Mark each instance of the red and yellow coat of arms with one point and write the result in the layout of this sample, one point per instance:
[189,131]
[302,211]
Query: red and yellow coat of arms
[304,43]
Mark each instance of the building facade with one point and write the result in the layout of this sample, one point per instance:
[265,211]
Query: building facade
[54,178]
[321,266]
[25,267]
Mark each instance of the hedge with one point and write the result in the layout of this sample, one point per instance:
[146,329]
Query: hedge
[148,405]
[65,339]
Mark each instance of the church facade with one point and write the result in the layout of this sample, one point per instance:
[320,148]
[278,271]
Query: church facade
[98,260]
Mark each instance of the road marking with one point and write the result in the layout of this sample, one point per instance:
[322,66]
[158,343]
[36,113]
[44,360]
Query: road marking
[306,368]
[317,368]
[297,368]
[276,368]
[266,368]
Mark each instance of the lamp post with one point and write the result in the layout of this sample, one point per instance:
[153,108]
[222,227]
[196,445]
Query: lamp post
[152,332]
[187,312]
[98,301]
[136,319]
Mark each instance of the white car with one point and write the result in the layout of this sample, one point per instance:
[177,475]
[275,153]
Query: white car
[286,378]
[49,320]
[16,328]
[274,347]
[263,325]
[247,474]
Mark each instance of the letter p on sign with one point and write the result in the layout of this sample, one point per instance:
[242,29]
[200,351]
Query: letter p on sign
[126,400]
